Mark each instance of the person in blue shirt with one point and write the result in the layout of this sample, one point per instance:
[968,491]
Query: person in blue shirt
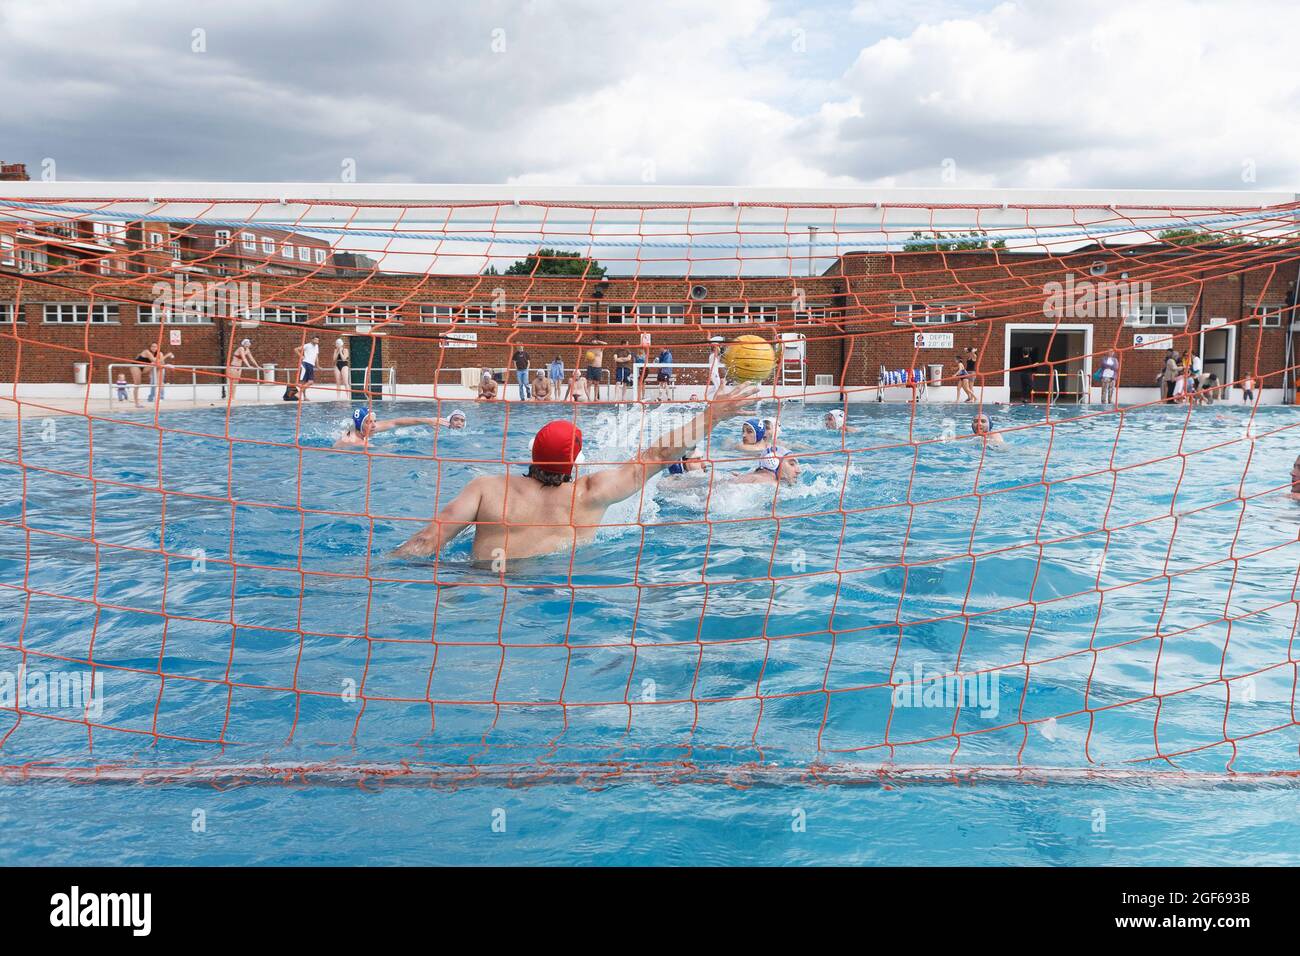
[665,377]
[555,372]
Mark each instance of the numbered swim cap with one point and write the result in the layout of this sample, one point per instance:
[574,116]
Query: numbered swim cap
[359,416]
[760,430]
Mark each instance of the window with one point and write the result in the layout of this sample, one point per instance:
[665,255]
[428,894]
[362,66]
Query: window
[287,251]
[7,313]
[458,314]
[281,313]
[247,240]
[736,314]
[109,232]
[931,313]
[198,313]
[174,247]
[73,313]
[1267,316]
[320,256]
[32,260]
[7,244]
[352,314]
[648,314]
[268,246]
[304,254]
[553,312]
[1165,315]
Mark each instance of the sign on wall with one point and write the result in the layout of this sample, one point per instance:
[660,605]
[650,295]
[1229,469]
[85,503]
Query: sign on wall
[460,340]
[1153,340]
[932,340]
[176,337]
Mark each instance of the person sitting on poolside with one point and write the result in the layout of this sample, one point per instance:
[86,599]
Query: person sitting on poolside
[549,508]
[778,466]
[487,386]
[981,425]
[577,388]
[365,424]
[834,421]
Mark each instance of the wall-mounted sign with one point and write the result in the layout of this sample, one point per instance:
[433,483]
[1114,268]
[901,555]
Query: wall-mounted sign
[932,340]
[1217,322]
[460,340]
[1153,340]
[176,337]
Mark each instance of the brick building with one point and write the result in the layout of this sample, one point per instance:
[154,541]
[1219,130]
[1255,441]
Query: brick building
[1232,304]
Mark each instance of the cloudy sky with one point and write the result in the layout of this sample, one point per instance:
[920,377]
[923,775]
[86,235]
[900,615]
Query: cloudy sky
[1142,93]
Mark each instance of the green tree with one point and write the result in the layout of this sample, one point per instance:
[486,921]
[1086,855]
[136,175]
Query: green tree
[553,262]
[951,242]
[1187,236]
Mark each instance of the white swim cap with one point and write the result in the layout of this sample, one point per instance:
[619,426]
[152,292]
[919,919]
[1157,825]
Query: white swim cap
[837,416]
[246,343]
[338,341]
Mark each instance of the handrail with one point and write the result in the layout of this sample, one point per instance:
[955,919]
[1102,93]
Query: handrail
[268,375]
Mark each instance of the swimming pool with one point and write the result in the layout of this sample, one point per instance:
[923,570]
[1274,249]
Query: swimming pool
[705,682]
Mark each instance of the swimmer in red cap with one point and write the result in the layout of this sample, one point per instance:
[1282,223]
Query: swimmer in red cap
[549,508]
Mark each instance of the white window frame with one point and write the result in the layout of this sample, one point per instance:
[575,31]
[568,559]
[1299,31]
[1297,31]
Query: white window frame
[248,241]
[148,315]
[286,250]
[31,259]
[268,246]
[112,232]
[932,313]
[352,313]
[320,256]
[1159,315]
[647,313]
[737,313]
[156,239]
[288,312]
[81,313]
[9,313]
[435,314]
[1267,317]
[553,313]
[8,249]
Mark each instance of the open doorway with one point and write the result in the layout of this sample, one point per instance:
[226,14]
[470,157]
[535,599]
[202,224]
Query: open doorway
[1048,363]
[1218,351]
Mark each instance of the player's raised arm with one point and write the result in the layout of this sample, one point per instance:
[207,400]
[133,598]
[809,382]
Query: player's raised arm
[458,515]
[615,484]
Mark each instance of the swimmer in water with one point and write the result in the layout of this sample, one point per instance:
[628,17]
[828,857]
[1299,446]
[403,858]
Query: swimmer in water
[981,425]
[778,467]
[834,421]
[756,434]
[365,425]
[1295,479]
[548,508]
[692,461]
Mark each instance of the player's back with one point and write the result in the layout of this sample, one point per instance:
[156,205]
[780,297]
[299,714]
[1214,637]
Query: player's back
[519,517]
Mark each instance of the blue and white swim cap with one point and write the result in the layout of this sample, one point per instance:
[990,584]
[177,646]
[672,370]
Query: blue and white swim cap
[359,416]
[760,430]
[772,461]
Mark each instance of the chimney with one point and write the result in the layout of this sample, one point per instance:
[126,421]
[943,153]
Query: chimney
[14,172]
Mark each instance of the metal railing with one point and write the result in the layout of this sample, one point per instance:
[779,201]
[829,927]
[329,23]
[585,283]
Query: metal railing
[265,383]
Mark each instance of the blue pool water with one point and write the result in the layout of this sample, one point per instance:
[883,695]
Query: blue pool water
[720,677]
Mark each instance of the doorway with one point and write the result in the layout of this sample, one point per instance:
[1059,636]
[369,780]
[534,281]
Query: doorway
[1048,362]
[1218,351]
[367,370]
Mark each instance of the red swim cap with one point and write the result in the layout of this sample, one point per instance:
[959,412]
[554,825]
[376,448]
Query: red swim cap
[556,446]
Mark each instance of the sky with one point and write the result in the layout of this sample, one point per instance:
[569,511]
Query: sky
[1134,94]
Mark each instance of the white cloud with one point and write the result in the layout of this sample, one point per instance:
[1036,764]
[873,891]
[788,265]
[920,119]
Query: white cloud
[1145,93]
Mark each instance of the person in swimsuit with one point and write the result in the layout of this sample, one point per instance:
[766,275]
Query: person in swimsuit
[981,425]
[307,354]
[715,366]
[147,358]
[1295,479]
[364,425]
[541,387]
[778,467]
[834,421]
[577,390]
[623,372]
[487,386]
[342,368]
[596,368]
[243,358]
[965,372]
[553,507]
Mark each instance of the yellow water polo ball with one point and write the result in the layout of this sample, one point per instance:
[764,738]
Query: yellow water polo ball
[749,358]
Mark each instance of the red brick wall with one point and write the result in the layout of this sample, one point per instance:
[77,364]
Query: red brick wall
[858,335]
